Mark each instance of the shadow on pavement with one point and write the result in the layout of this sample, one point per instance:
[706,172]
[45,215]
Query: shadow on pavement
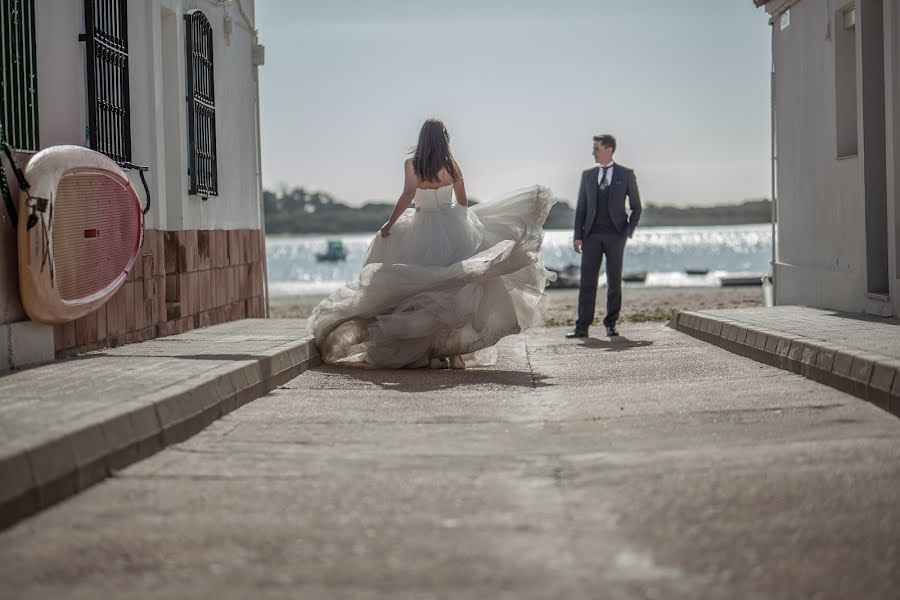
[616,344]
[428,380]
[865,318]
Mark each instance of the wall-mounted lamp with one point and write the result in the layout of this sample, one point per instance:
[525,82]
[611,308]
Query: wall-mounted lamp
[785,20]
[849,18]
[259,55]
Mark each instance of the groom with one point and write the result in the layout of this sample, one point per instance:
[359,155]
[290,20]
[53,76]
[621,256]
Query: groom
[601,228]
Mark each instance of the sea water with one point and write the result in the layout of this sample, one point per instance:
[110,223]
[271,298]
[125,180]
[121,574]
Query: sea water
[664,253]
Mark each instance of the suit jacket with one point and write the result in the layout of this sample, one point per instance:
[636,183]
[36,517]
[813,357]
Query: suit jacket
[623,184]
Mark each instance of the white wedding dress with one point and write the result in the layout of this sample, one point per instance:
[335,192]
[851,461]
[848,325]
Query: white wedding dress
[449,280]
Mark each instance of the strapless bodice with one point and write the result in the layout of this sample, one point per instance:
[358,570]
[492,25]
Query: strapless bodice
[434,199]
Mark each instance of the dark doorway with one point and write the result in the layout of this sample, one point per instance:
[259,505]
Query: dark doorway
[871,44]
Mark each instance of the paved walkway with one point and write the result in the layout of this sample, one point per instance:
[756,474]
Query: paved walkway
[66,425]
[857,354]
[870,334]
[654,466]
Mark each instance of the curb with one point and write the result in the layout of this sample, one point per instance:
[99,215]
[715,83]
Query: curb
[869,376]
[34,478]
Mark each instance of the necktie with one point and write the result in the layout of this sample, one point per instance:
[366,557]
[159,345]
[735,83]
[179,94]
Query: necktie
[603,183]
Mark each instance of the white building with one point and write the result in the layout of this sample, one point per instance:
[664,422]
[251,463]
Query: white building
[171,84]
[836,106]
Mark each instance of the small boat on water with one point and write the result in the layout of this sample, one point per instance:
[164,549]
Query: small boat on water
[745,280]
[566,278]
[334,253]
[639,277]
[691,271]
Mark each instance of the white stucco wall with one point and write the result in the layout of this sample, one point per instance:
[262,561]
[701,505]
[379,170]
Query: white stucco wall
[821,207]
[62,87]
[158,107]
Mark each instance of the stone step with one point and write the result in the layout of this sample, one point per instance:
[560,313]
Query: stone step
[872,376]
[69,424]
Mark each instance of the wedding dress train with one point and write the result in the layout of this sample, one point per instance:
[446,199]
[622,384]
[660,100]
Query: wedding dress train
[449,280]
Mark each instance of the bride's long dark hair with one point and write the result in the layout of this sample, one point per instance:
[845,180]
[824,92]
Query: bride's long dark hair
[432,153]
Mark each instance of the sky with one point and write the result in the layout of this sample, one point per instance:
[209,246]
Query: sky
[522,85]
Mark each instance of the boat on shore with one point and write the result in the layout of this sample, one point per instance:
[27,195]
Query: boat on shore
[692,271]
[639,277]
[567,278]
[741,280]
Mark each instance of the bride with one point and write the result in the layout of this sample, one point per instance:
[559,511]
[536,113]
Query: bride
[442,281]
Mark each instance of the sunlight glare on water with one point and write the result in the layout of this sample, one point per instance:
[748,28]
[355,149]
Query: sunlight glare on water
[663,252]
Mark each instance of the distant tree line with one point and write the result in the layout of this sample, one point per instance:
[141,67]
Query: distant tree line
[745,213]
[300,211]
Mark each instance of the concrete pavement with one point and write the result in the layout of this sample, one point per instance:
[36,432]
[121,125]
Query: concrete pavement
[68,424]
[652,466]
[854,353]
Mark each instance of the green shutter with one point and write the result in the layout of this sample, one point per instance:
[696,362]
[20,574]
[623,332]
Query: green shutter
[19,113]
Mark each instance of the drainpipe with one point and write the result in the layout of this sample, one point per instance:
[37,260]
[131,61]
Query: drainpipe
[260,205]
[774,160]
[258,60]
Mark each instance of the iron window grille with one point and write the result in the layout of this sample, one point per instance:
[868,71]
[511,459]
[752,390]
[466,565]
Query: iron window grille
[201,99]
[109,102]
[18,80]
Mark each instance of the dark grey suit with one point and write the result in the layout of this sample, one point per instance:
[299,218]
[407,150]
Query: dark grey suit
[611,244]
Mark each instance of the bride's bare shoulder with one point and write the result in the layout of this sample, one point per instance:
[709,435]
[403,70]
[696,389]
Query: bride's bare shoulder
[409,169]
[459,173]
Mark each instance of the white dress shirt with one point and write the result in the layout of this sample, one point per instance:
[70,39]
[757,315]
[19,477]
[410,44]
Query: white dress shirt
[609,173]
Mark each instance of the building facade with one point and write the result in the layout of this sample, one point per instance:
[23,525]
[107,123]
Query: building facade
[836,120]
[168,84]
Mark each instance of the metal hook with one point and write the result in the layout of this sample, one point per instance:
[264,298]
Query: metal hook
[141,169]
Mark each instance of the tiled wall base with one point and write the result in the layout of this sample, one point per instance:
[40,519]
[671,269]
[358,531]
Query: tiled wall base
[181,280]
[25,343]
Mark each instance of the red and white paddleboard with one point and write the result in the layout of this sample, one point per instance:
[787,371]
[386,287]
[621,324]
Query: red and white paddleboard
[87,234]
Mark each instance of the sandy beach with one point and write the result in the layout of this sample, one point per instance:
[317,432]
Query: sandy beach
[639,305]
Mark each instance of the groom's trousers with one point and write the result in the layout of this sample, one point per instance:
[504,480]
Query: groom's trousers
[594,247]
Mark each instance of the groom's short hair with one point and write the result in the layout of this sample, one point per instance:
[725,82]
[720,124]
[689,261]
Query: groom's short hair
[607,140]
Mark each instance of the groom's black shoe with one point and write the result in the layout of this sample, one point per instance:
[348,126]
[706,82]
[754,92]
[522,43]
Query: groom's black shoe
[577,334]
[611,331]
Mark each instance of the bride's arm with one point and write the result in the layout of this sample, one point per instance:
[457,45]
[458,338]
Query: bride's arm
[409,192]
[459,187]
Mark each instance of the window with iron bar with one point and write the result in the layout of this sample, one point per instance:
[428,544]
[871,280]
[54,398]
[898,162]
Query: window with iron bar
[109,103]
[201,99]
[18,80]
